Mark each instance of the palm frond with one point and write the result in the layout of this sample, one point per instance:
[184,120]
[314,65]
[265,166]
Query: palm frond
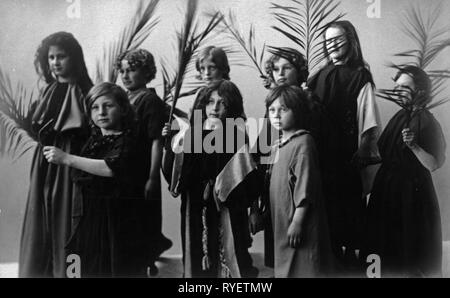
[248,45]
[420,25]
[131,37]
[16,135]
[188,43]
[429,40]
[304,22]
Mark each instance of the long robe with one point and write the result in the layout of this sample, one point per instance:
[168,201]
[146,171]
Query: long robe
[215,236]
[347,96]
[151,115]
[58,121]
[295,182]
[403,222]
[107,236]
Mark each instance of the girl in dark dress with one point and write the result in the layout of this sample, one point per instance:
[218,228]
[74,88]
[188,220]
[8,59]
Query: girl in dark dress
[58,120]
[215,234]
[403,223]
[103,230]
[346,90]
[137,68]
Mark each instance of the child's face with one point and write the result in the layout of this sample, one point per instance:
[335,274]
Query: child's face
[280,116]
[215,108]
[60,63]
[284,73]
[106,114]
[336,43]
[209,71]
[405,87]
[132,78]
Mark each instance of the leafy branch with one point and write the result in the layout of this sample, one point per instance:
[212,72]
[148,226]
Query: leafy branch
[16,136]
[429,42]
[188,42]
[131,37]
[304,22]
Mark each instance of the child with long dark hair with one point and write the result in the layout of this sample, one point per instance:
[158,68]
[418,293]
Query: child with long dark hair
[215,234]
[345,87]
[58,120]
[404,223]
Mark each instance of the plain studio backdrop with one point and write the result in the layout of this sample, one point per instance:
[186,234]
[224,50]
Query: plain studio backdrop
[26,22]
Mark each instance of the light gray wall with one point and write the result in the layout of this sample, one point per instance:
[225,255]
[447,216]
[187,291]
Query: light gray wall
[25,23]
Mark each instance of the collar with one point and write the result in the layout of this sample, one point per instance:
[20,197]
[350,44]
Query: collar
[281,143]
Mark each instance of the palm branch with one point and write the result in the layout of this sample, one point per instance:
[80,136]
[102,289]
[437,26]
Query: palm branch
[429,42]
[188,43]
[304,22]
[247,44]
[16,135]
[131,37]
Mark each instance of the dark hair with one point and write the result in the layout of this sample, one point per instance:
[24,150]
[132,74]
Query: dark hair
[295,58]
[354,55]
[70,45]
[296,99]
[231,95]
[422,82]
[218,56]
[121,98]
[139,59]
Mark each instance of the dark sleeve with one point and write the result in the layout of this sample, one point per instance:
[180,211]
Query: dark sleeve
[154,116]
[432,139]
[119,157]
[359,79]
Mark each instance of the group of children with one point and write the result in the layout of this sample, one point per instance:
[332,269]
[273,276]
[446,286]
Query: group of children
[309,198]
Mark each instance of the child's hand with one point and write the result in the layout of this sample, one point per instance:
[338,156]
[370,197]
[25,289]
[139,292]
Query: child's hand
[294,234]
[267,82]
[55,155]
[255,222]
[166,130]
[409,138]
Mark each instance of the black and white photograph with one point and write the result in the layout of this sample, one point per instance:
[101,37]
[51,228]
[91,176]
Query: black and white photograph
[203,140]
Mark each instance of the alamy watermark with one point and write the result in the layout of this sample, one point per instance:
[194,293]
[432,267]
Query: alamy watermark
[254,135]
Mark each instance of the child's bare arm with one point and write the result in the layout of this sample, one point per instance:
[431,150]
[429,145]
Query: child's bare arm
[425,158]
[155,164]
[295,232]
[96,167]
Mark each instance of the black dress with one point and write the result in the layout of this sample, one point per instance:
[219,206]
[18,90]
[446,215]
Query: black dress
[337,88]
[151,115]
[104,234]
[404,224]
[201,225]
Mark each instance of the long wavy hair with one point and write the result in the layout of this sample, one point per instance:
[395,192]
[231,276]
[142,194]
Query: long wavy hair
[231,95]
[70,45]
